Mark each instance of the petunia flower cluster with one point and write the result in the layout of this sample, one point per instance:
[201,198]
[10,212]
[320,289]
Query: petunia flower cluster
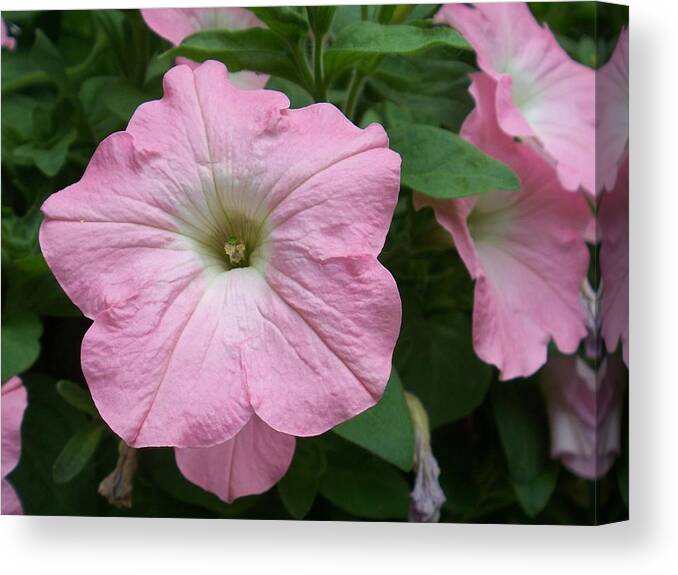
[526,250]
[543,115]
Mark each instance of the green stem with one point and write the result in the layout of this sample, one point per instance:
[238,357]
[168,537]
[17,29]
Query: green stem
[364,12]
[320,89]
[303,67]
[354,90]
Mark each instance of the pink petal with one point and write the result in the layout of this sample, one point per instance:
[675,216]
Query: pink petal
[332,322]
[612,113]
[294,176]
[166,367]
[244,79]
[614,262]
[183,350]
[13,404]
[175,24]
[248,464]
[330,330]
[542,94]
[585,411]
[6,41]
[525,250]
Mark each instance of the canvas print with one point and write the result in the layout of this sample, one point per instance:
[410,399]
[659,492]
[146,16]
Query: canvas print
[357,263]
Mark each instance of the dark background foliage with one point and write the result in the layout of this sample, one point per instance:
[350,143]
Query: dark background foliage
[76,77]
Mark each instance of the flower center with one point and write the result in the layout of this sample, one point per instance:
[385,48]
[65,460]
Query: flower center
[236,250]
[227,239]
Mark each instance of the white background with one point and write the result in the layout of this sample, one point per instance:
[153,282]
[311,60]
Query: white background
[646,544]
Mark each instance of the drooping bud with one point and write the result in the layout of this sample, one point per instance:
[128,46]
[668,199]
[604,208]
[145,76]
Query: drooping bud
[427,497]
[118,485]
[591,301]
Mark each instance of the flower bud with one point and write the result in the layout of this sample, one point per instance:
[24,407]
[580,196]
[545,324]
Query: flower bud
[118,485]
[427,497]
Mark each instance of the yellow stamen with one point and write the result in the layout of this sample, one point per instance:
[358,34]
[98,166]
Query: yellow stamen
[235,250]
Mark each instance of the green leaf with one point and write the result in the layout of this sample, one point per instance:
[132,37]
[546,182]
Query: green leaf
[299,487]
[123,99]
[519,413]
[435,359]
[17,120]
[110,101]
[442,165]
[49,159]
[20,343]
[19,234]
[433,87]
[49,60]
[286,21]
[253,49]
[385,429]
[77,453]
[363,485]
[94,97]
[19,70]
[346,15]
[364,40]
[299,97]
[320,18]
[48,424]
[76,396]
[423,11]
[32,288]
[112,23]
[534,495]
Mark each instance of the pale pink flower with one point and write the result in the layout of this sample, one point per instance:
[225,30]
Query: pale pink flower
[542,96]
[250,463]
[13,404]
[585,410]
[175,24]
[226,247]
[613,230]
[612,113]
[6,41]
[525,249]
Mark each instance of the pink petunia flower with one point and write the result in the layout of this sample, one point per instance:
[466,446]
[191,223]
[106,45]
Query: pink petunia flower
[585,410]
[612,113]
[542,96]
[249,464]
[613,228]
[6,41]
[226,248]
[176,24]
[525,250]
[13,403]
